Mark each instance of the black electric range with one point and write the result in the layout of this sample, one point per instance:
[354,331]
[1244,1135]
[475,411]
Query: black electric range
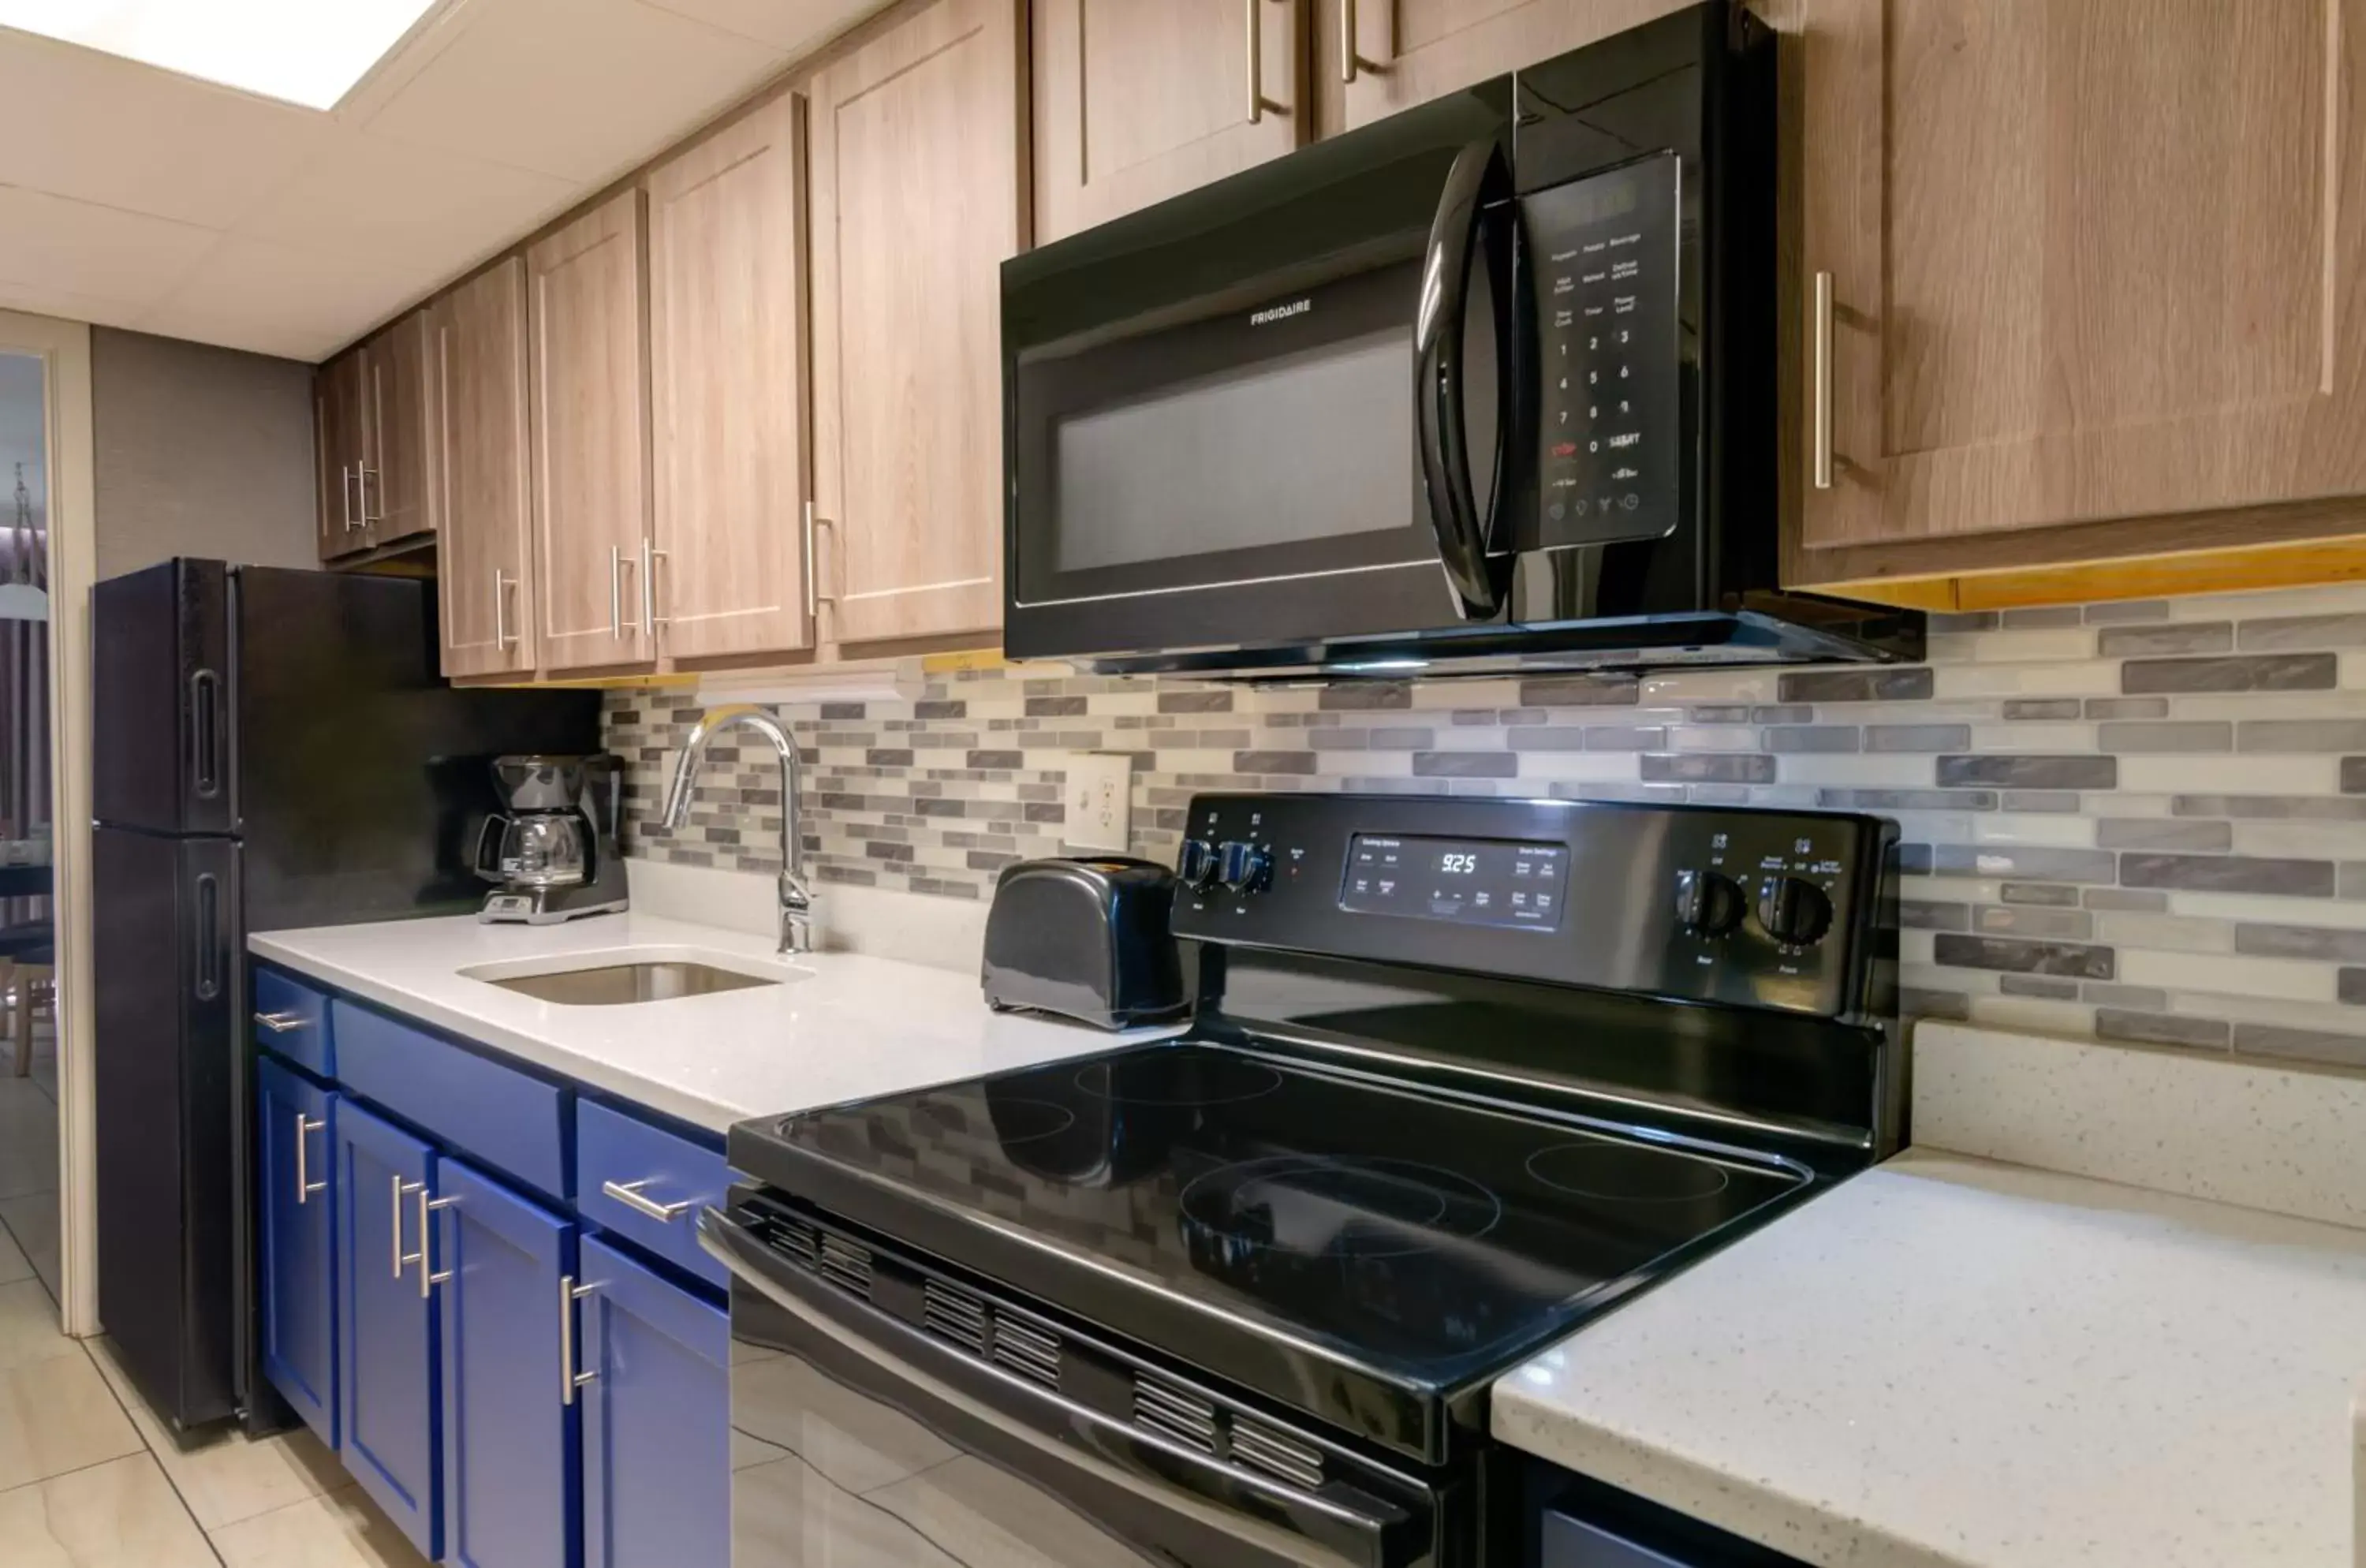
[1462,1073]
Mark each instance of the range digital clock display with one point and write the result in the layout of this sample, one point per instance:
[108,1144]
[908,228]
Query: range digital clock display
[1472,882]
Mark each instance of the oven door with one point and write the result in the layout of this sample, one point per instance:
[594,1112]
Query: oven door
[1213,436]
[870,1435]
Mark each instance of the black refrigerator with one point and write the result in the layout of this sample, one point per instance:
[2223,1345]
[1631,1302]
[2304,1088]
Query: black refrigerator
[270,749]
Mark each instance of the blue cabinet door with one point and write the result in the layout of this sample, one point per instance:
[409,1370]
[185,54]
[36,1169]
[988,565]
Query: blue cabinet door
[657,1420]
[297,1241]
[502,1267]
[386,1383]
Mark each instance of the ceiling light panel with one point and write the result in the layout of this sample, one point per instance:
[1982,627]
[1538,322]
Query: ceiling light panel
[302,51]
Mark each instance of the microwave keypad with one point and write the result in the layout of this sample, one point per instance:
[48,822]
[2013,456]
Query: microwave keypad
[1603,264]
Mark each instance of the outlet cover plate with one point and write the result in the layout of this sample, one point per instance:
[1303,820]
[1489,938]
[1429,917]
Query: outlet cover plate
[1099,796]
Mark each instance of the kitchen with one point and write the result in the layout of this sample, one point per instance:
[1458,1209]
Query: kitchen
[772,846]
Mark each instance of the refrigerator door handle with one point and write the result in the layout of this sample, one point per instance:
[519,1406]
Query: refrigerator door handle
[204,733]
[209,962]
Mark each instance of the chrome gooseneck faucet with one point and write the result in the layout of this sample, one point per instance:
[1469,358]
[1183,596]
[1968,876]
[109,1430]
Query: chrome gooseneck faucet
[796,895]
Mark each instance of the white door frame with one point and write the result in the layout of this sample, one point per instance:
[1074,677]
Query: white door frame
[63,348]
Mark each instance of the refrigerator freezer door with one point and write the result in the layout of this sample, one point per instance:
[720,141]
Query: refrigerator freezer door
[163,700]
[170,977]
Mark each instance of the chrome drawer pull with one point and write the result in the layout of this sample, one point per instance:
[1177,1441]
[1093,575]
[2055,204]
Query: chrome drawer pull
[282,1022]
[629,1194]
[570,1380]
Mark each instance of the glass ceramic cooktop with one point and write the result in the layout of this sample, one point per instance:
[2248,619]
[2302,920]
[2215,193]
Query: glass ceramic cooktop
[1426,1236]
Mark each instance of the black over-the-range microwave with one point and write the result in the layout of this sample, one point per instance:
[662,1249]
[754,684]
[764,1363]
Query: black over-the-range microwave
[1486,385]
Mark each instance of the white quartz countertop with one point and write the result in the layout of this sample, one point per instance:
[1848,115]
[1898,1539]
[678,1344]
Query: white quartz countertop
[1951,1361]
[847,1027]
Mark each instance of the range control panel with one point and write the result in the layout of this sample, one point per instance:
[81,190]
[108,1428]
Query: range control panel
[1602,256]
[1753,908]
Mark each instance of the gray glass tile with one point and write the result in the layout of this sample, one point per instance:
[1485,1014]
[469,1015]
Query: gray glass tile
[1718,794]
[2063,771]
[2134,998]
[1783,713]
[1931,915]
[935,708]
[2303,631]
[1916,736]
[2259,941]
[1612,789]
[2297,808]
[2162,735]
[1275,762]
[991,759]
[2353,879]
[1962,621]
[1361,696]
[2022,709]
[2120,612]
[1465,765]
[2161,1028]
[841,710]
[1578,692]
[1906,799]
[2302,735]
[2228,874]
[2125,707]
[1403,738]
[1709,767]
[2053,800]
[2030,863]
[2352,987]
[2079,960]
[2037,617]
[2043,986]
[1915,1002]
[2238,672]
[1055,707]
[1190,701]
[1722,712]
[2353,775]
[1625,738]
[2024,920]
[2300,1044]
[2176,637]
[1854,685]
[2163,834]
[1338,739]
[1810,738]
[2039,893]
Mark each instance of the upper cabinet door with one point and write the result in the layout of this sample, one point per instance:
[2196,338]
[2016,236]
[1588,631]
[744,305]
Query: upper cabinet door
[1135,103]
[918,198]
[340,417]
[400,477]
[2085,261]
[591,439]
[478,336]
[1375,57]
[727,385]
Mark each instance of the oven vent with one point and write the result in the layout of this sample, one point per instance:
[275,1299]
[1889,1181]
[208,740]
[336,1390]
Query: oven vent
[797,1238]
[1286,1460]
[1031,1351]
[1171,1412]
[953,1315]
[847,1266]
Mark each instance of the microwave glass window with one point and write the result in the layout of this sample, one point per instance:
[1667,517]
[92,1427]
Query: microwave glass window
[1273,451]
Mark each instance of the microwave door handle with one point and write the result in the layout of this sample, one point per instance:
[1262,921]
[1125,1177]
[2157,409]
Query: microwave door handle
[1479,180]
[1092,1459]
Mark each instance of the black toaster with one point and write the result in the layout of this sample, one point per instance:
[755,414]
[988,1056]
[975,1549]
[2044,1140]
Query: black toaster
[1087,940]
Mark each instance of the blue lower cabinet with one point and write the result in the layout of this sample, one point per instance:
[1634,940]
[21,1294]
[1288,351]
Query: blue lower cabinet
[502,1262]
[297,1241]
[386,1383]
[657,1419]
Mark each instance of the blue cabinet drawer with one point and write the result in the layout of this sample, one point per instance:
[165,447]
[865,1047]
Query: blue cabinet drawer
[509,1121]
[647,1185]
[291,1020]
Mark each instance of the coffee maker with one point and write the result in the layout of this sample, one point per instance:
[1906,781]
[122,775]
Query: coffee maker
[555,853]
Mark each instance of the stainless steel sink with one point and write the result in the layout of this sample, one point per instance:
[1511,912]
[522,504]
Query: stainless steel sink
[618,984]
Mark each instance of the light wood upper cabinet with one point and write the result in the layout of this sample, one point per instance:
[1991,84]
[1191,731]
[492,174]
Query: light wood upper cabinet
[727,385]
[400,479]
[339,426]
[1136,102]
[2086,261]
[1375,57]
[919,194]
[590,378]
[477,342]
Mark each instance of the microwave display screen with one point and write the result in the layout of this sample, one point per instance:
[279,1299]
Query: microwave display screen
[1470,881]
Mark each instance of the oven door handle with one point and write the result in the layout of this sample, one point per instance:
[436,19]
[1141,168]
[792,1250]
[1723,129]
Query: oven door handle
[1480,179]
[1111,1470]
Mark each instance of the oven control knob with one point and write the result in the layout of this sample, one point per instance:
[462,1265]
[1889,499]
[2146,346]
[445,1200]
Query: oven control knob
[1708,903]
[1243,867]
[1196,867]
[1795,913]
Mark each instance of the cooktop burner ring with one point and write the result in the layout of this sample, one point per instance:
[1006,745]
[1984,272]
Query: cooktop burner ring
[1375,1201]
[1627,1173]
[1216,1077]
[1011,1119]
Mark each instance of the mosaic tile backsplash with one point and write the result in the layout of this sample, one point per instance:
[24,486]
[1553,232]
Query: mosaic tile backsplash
[2142,821]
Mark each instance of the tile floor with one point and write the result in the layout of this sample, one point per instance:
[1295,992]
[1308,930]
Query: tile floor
[88,1477]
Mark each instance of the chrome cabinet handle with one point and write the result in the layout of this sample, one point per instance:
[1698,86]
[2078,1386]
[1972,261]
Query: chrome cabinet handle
[651,556]
[814,597]
[1257,60]
[398,1188]
[362,474]
[502,583]
[305,1186]
[345,475]
[1819,339]
[629,1194]
[570,1380]
[1349,61]
[429,1280]
[282,1022]
[616,591]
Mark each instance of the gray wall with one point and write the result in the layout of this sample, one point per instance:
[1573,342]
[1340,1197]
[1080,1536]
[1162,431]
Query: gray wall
[201,451]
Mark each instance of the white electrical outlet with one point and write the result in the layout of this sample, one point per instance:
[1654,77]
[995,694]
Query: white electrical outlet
[1099,794]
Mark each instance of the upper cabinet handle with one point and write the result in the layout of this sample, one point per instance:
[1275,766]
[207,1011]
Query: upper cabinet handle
[1350,59]
[813,595]
[651,556]
[616,591]
[1820,355]
[502,583]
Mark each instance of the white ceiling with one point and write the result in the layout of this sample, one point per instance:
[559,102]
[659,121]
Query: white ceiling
[134,197]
